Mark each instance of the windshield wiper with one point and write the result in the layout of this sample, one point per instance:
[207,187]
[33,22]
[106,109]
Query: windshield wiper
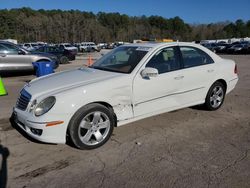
[99,68]
[105,69]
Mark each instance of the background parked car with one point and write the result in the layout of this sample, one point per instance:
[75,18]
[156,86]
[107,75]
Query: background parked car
[14,58]
[102,45]
[63,55]
[71,49]
[110,45]
[53,57]
[68,46]
[118,43]
[30,46]
[77,45]
[89,47]
[221,47]
[210,46]
[238,49]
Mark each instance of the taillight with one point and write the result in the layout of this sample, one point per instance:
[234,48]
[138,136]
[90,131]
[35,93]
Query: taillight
[235,70]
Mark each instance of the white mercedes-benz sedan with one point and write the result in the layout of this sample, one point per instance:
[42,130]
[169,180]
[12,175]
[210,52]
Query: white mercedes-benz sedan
[129,83]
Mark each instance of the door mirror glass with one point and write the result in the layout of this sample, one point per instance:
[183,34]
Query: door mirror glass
[20,52]
[149,72]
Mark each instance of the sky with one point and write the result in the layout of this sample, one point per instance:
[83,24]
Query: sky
[191,11]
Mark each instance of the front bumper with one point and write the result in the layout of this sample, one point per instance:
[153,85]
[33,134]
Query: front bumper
[38,130]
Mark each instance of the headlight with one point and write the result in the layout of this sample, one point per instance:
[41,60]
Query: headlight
[45,105]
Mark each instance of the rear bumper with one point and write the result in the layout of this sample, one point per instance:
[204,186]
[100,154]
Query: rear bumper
[231,84]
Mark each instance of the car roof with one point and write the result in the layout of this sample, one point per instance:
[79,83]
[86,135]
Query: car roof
[157,45]
[160,44]
[7,42]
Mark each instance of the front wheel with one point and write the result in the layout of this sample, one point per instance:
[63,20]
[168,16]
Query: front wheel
[215,96]
[91,126]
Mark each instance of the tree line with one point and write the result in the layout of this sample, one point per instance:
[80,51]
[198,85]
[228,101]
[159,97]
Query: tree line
[55,26]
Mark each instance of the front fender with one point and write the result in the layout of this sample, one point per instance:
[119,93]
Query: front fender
[118,97]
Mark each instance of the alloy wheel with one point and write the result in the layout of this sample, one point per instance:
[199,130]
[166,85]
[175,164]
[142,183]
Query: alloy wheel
[216,97]
[94,128]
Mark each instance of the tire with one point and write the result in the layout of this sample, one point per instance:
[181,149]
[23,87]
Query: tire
[215,96]
[64,60]
[91,126]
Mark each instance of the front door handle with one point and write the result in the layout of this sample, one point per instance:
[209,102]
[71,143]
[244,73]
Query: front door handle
[178,77]
[3,55]
[210,70]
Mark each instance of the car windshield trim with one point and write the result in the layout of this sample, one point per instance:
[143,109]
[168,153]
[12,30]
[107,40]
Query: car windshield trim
[107,69]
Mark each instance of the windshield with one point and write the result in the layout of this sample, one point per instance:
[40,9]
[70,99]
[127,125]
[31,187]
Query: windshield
[123,59]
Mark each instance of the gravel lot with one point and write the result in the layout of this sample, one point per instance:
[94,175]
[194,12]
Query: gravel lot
[185,148]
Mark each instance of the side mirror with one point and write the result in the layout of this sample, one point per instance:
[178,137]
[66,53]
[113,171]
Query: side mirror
[21,52]
[149,72]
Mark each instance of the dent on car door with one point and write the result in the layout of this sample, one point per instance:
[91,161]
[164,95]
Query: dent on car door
[158,93]
[198,71]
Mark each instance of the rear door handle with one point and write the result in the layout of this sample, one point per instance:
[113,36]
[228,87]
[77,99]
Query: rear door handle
[178,77]
[210,70]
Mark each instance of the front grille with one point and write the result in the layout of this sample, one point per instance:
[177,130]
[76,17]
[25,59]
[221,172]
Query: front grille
[23,100]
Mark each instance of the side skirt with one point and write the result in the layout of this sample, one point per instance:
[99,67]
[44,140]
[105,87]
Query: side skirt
[124,122]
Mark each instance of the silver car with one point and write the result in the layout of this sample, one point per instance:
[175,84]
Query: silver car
[14,58]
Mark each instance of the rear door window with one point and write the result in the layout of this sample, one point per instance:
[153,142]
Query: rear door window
[193,57]
[3,49]
[10,49]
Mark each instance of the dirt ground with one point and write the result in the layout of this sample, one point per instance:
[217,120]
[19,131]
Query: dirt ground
[185,148]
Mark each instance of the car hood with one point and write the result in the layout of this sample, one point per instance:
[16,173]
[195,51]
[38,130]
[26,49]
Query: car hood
[42,54]
[66,80]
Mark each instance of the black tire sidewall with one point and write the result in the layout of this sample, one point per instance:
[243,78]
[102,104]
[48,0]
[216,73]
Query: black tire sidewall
[64,60]
[77,118]
[207,101]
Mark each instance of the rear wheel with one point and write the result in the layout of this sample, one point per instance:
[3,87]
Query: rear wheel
[215,96]
[64,60]
[91,126]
